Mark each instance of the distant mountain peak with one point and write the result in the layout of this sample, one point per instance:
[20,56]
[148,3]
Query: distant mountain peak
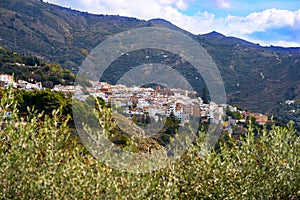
[215,34]
[159,20]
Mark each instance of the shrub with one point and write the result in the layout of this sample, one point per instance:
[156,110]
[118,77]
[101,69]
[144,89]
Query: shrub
[41,159]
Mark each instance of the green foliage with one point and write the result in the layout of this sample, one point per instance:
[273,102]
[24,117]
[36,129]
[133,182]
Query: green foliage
[234,115]
[250,121]
[43,101]
[32,69]
[284,113]
[41,159]
[96,116]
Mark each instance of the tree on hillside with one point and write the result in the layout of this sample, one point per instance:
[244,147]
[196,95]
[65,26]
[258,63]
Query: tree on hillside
[44,101]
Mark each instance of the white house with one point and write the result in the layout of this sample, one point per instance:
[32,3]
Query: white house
[6,80]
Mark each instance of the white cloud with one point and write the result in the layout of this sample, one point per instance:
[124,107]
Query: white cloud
[182,5]
[223,3]
[129,7]
[262,22]
[281,43]
[201,22]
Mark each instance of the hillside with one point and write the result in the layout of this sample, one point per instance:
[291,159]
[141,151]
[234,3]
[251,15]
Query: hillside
[55,33]
[33,70]
[255,77]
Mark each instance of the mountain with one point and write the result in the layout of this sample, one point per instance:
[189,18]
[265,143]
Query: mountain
[55,33]
[255,77]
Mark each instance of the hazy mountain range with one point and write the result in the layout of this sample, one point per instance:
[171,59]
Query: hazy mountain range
[255,77]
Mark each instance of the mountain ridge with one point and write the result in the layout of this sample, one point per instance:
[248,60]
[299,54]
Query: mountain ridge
[255,77]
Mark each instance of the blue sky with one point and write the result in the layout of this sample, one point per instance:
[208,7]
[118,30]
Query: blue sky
[267,22]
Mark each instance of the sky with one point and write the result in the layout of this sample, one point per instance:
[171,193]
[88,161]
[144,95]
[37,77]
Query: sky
[266,22]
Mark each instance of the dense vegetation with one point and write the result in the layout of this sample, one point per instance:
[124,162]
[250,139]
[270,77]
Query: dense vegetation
[41,159]
[43,101]
[33,70]
[284,112]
